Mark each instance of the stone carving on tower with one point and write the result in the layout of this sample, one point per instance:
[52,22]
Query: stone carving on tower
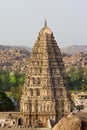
[45,91]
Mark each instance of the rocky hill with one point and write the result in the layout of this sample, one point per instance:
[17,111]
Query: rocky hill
[74,49]
[13,58]
[77,60]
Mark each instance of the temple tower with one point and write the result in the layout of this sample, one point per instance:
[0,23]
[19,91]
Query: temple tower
[45,92]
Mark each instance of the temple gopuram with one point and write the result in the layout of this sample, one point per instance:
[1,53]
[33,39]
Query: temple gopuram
[45,95]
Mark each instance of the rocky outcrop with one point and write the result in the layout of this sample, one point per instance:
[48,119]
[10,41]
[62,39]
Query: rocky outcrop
[77,61]
[71,122]
[13,58]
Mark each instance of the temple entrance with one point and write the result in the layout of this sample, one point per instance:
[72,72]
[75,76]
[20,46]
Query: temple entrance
[19,121]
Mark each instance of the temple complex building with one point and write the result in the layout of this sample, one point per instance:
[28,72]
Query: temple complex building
[45,92]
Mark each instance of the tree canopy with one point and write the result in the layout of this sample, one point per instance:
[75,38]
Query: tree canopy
[77,79]
[5,103]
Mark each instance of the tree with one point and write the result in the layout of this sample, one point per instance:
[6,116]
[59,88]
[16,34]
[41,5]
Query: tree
[8,80]
[4,80]
[16,93]
[77,79]
[5,103]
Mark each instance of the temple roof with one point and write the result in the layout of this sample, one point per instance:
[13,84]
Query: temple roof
[45,29]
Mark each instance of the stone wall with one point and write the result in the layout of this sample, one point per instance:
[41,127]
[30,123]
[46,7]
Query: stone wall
[25,128]
[9,119]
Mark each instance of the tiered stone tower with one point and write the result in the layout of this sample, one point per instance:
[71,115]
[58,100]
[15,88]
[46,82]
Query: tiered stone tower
[45,93]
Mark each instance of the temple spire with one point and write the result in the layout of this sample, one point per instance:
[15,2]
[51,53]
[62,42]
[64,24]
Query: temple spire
[45,94]
[45,22]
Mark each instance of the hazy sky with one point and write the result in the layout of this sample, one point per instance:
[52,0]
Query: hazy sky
[21,20]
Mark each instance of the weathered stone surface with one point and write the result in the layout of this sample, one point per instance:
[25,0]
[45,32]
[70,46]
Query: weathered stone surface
[71,122]
[45,92]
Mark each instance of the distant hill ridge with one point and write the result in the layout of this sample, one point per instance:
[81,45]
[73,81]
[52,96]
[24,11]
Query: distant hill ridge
[14,47]
[75,49]
[68,50]
[17,57]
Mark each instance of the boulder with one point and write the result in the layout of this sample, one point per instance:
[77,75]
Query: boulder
[71,122]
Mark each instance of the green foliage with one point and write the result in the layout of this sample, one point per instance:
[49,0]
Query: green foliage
[4,80]
[2,95]
[16,93]
[77,80]
[13,83]
[8,80]
[12,79]
[5,103]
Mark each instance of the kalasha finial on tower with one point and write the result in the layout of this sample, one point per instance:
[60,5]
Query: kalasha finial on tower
[45,22]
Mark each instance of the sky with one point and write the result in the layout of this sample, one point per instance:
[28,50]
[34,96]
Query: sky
[22,20]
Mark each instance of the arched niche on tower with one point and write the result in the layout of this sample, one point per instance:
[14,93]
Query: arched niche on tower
[37,92]
[31,92]
[20,121]
[38,81]
[61,92]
